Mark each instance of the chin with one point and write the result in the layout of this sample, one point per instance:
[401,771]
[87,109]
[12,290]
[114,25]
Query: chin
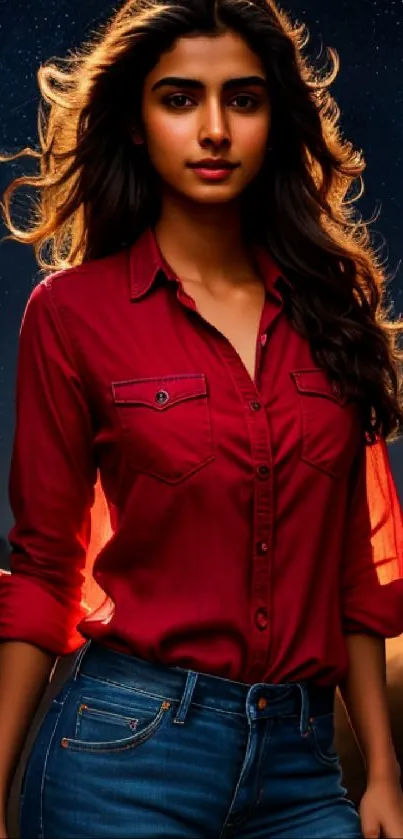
[214,195]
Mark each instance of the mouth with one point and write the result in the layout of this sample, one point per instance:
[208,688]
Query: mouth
[214,165]
[213,171]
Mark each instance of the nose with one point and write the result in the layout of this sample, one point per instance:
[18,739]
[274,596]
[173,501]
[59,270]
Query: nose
[214,128]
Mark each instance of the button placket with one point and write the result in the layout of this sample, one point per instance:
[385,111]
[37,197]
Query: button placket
[261,462]
[262,531]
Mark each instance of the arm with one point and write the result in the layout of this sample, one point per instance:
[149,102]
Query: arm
[372,609]
[364,695]
[52,481]
[24,673]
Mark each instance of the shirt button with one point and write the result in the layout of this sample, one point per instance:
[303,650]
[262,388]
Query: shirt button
[262,703]
[263,339]
[261,619]
[262,470]
[262,547]
[255,406]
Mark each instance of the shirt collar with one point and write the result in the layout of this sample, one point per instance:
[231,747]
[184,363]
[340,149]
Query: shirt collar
[147,261]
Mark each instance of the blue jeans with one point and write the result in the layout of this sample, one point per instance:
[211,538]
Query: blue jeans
[133,749]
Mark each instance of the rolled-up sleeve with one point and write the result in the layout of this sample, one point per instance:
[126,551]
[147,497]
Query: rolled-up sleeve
[372,571]
[51,486]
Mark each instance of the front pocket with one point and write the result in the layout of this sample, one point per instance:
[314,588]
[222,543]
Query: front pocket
[167,424]
[103,726]
[330,427]
[321,729]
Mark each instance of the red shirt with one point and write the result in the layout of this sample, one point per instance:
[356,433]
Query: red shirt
[249,534]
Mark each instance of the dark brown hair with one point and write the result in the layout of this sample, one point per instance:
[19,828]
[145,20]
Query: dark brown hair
[97,191]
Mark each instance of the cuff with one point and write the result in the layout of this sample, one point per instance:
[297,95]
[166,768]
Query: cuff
[31,613]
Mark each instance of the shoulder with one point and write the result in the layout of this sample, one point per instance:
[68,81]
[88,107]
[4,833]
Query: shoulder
[98,279]
[83,293]
[78,298]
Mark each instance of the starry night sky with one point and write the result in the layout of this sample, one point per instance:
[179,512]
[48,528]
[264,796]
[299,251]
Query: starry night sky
[368,35]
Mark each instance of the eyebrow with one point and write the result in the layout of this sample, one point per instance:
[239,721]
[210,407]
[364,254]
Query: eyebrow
[195,84]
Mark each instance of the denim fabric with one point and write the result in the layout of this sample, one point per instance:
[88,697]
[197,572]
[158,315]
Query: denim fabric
[140,750]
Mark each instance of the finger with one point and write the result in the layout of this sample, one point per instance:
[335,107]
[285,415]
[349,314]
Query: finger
[370,829]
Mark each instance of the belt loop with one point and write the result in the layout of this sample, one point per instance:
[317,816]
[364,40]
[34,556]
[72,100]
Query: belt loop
[305,710]
[77,665]
[187,695]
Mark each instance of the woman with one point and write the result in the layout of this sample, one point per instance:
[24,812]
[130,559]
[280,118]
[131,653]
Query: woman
[210,337]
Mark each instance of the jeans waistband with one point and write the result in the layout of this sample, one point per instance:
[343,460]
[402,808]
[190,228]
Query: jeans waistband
[186,687]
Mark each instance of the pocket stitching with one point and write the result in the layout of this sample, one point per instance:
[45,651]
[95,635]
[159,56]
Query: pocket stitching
[205,425]
[327,469]
[98,747]
[303,395]
[94,712]
[326,390]
[327,759]
[160,382]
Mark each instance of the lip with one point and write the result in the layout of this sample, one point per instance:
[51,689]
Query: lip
[213,170]
[214,164]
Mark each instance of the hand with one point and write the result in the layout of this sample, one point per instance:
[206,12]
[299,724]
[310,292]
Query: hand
[381,809]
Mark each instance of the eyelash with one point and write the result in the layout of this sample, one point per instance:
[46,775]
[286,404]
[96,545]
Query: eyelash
[170,100]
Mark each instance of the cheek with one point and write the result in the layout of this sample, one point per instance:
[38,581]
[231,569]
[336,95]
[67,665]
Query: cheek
[166,138]
[253,139]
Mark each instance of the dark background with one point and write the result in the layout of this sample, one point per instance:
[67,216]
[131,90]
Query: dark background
[368,35]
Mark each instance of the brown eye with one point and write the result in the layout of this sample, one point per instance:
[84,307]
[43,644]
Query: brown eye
[245,102]
[178,101]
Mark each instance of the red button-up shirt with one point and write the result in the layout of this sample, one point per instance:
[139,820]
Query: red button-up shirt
[249,528]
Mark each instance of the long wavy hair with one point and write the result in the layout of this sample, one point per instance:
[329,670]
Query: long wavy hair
[97,191]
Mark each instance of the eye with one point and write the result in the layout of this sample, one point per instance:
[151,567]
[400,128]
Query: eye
[245,101]
[179,101]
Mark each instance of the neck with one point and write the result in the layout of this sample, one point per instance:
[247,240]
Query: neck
[202,243]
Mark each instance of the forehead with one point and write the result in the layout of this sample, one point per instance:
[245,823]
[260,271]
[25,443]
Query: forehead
[211,59]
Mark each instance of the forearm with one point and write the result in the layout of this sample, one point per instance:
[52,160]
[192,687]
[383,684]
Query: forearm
[24,674]
[364,695]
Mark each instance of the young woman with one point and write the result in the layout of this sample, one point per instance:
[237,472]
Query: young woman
[209,339]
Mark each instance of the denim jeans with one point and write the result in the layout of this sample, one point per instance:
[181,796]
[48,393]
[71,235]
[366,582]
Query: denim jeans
[134,749]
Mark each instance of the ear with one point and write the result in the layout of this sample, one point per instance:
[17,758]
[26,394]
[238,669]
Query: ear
[137,137]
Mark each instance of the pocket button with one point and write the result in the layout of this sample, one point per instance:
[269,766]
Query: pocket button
[161,397]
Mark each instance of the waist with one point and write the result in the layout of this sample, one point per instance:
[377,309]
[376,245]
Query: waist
[180,685]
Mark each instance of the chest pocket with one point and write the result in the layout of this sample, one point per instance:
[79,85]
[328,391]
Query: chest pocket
[329,423]
[167,424]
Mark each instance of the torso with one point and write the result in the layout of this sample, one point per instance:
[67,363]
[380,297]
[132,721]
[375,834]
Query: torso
[237,316]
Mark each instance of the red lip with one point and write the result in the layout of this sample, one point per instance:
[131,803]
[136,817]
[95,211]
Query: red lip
[213,163]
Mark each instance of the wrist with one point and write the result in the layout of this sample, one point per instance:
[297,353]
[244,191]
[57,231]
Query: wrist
[384,770]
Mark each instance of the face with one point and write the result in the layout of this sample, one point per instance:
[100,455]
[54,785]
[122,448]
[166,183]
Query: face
[206,101]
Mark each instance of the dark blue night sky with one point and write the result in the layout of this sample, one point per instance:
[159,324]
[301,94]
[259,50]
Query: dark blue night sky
[368,34]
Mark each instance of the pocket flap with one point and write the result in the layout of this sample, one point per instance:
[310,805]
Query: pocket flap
[159,392]
[316,382]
